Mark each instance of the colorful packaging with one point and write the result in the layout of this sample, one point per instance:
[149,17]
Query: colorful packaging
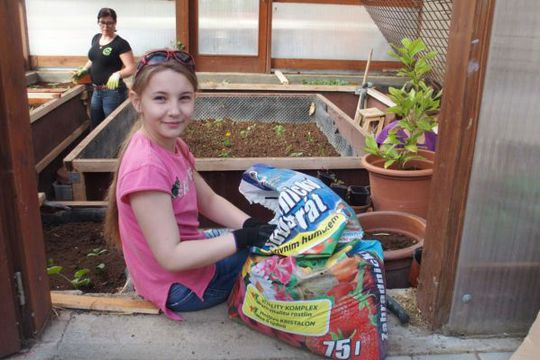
[310,217]
[326,293]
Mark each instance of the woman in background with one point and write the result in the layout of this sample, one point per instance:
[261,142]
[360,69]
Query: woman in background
[110,61]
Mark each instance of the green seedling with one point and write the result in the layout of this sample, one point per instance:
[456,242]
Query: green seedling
[245,133]
[100,267]
[280,130]
[80,277]
[218,122]
[227,139]
[225,153]
[326,82]
[296,154]
[97,252]
[310,137]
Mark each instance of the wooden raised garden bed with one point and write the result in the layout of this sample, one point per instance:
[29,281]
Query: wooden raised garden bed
[92,162]
[58,120]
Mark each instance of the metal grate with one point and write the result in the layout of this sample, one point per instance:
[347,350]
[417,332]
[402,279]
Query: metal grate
[273,108]
[427,19]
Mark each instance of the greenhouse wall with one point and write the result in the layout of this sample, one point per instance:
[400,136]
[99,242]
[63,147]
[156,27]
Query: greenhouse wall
[299,30]
[497,287]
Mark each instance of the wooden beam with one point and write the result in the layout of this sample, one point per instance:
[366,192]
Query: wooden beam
[42,164]
[458,121]
[282,79]
[20,226]
[182,23]
[78,204]
[103,303]
[319,64]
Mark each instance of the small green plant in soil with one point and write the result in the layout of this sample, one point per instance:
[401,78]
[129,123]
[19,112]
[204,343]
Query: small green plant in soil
[97,252]
[280,130]
[80,277]
[227,139]
[326,82]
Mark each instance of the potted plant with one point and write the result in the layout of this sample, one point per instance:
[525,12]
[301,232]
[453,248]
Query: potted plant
[384,226]
[400,160]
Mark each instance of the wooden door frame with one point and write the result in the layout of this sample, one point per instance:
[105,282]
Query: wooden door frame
[248,64]
[468,48]
[21,236]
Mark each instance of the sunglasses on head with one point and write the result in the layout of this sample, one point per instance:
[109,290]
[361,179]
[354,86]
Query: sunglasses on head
[160,56]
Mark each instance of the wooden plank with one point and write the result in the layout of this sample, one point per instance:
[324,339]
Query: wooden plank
[44,61]
[319,64]
[46,90]
[277,87]
[282,79]
[235,164]
[78,185]
[458,122]
[182,23]
[78,204]
[20,230]
[383,98]
[68,95]
[43,95]
[76,152]
[39,101]
[42,164]
[103,303]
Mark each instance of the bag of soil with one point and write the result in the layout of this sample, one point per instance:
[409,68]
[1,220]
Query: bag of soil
[327,292]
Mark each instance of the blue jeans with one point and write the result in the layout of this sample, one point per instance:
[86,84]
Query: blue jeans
[104,102]
[182,299]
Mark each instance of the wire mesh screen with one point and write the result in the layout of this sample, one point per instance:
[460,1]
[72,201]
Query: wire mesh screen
[426,19]
[273,108]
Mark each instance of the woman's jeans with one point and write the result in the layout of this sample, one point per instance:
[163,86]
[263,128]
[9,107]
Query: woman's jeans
[182,299]
[104,101]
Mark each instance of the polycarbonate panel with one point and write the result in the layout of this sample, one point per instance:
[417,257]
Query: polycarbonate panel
[322,31]
[497,287]
[66,27]
[229,27]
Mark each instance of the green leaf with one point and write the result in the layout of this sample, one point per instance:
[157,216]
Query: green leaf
[53,270]
[389,163]
[79,274]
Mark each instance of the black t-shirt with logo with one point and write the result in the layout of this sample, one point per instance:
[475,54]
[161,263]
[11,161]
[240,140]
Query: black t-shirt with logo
[106,59]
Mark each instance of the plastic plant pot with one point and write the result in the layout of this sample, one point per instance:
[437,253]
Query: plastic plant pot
[341,190]
[359,195]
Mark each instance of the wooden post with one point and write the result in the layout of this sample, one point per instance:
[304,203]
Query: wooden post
[182,23]
[22,263]
[458,122]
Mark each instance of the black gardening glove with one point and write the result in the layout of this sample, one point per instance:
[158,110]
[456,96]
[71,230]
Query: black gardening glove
[253,236]
[253,222]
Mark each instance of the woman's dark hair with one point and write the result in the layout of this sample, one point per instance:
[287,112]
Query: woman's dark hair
[104,12]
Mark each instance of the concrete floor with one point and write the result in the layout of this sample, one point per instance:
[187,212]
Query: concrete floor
[211,335]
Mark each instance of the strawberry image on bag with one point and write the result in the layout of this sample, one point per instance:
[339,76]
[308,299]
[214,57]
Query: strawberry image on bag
[315,284]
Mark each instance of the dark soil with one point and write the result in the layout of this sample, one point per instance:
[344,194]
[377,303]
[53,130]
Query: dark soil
[391,241]
[226,138]
[68,245]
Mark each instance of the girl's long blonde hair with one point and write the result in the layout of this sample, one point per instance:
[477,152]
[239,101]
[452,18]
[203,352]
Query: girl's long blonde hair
[111,227]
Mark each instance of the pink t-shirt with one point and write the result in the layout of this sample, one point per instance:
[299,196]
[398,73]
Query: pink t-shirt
[147,166]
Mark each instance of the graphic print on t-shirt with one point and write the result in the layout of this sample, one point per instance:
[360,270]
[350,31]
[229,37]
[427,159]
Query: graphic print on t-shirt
[107,51]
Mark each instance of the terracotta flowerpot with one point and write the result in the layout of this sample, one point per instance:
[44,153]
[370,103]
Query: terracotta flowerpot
[400,190]
[397,263]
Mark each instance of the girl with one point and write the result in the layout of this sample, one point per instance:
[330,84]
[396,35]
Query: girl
[156,196]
